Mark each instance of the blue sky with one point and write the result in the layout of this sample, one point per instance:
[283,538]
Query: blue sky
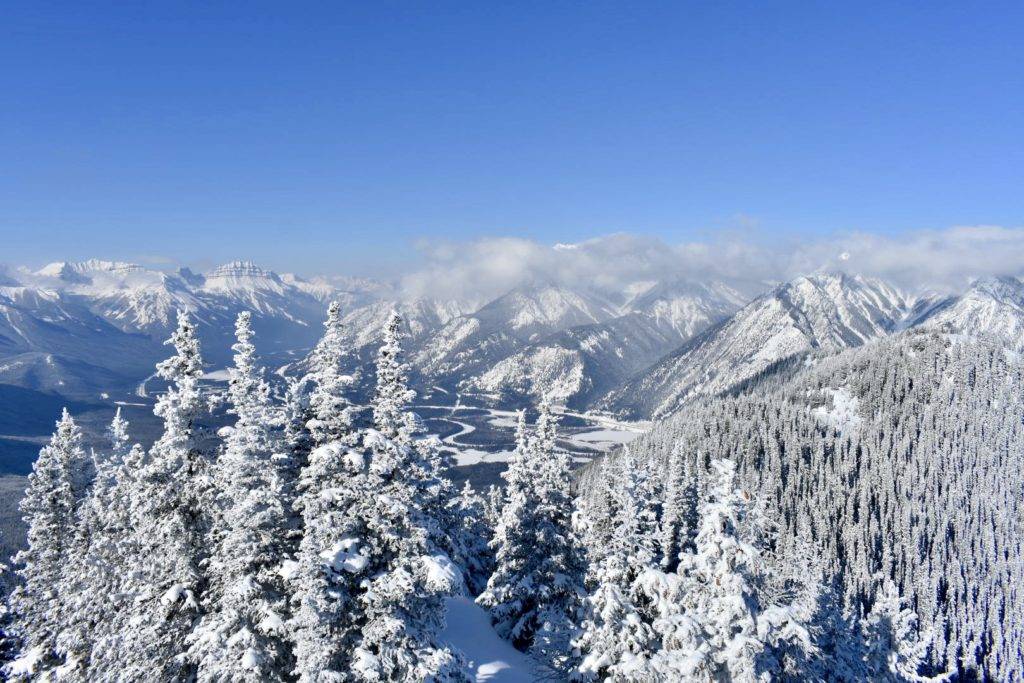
[334,137]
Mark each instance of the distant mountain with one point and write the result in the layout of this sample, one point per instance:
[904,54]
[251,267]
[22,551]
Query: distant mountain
[826,311]
[470,344]
[582,363]
[81,329]
[992,307]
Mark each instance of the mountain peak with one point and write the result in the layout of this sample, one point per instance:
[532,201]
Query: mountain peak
[246,269]
[71,270]
[1003,288]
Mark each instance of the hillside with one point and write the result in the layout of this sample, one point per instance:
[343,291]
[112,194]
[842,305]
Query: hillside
[903,457]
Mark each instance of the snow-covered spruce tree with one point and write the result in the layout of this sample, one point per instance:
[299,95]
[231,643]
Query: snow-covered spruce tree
[679,512]
[92,574]
[329,411]
[331,479]
[170,501]
[390,416]
[454,523]
[712,622]
[615,640]
[894,650]
[242,635]
[49,508]
[535,591]
[404,574]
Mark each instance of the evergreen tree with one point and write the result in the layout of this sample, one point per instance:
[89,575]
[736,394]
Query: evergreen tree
[92,574]
[332,478]
[679,512]
[390,416]
[242,636]
[49,508]
[894,651]
[170,504]
[615,639]
[330,413]
[534,593]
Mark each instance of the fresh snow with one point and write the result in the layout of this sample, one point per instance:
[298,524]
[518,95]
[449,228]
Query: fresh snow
[492,660]
[844,411]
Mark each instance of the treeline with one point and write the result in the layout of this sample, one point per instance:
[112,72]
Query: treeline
[317,540]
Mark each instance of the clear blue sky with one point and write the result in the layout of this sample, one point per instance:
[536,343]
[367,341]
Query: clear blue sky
[330,137]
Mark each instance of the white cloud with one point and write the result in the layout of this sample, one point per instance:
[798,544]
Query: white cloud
[944,259]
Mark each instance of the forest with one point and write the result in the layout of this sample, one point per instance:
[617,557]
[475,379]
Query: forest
[838,518]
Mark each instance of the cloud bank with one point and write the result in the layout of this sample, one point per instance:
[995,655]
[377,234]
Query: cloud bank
[941,260]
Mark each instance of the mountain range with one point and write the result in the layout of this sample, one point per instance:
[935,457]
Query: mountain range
[96,328]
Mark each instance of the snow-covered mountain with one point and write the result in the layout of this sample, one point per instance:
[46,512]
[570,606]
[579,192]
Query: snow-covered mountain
[991,307]
[582,363]
[826,311]
[471,344]
[82,329]
[94,326]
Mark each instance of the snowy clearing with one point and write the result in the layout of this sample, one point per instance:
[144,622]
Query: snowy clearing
[492,660]
[844,409]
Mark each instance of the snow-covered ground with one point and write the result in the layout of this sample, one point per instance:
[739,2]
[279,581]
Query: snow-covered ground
[844,411]
[492,659]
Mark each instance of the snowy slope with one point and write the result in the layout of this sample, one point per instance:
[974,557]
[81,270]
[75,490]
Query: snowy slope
[584,362]
[470,344]
[992,307]
[363,325]
[826,311]
[493,660]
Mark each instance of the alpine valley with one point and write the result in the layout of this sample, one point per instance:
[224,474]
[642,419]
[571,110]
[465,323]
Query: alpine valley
[844,455]
[92,331]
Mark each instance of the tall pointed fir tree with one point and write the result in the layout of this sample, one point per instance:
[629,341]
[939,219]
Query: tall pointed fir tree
[322,588]
[679,513]
[170,505]
[49,508]
[535,591]
[451,516]
[615,640]
[97,558]
[242,635]
[390,401]
[406,536]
